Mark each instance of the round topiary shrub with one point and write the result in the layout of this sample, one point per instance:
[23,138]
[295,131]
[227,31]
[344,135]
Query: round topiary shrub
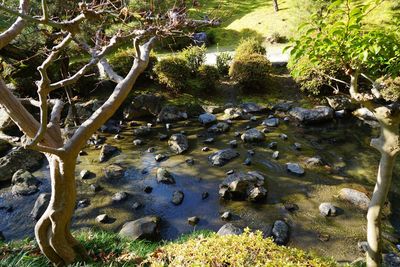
[224,61]
[250,46]
[194,57]
[208,76]
[250,71]
[173,72]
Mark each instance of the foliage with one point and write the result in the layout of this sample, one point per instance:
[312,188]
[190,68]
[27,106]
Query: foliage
[247,249]
[339,37]
[249,46]
[208,75]
[390,88]
[173,72]
[250,71]
[276,37]
[194,57]
[224,60]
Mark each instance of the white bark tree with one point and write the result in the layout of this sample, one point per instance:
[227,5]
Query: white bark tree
[52,231]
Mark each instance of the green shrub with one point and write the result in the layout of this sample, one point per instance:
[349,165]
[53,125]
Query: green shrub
[390,88]
[313,78]
[247,249]
[250,71]
[249,46]
[208,75]
[173,72]
[224,60]
[194,57]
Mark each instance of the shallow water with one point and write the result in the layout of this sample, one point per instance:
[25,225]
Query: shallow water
[344,145]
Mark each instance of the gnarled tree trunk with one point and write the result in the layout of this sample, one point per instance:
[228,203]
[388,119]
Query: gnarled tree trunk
[388,144]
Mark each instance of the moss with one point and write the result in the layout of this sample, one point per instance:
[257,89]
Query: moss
[248,249]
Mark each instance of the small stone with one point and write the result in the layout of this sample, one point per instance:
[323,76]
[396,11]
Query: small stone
[226,216]
[163,137]
[168,126]
[362,246]
[248,127]
[265,130]
[257,194]
[207,118]
[327,209]
[230,172]
[83,203]
[286,119]
[107,151]
[114,171]
[253,118]
[205,149]
[95,187]
[209,141]
[164,176]
[118,137]
[160,157]
[193,220]
[149,125]
[324,237]
[247,162]
[177,197]
[273,145]
[204,195]
[136,205]
[151,150]
[251,152]
[237,134]
[297,146]
[271,122]
[138,142]
[85,174]
[295,168]
[283,136]
[291,207]
[229,229]
[82,153]
[275,155]
[120,196]
[233,143]
[148,189]
[189,161]
[178,143]
[102,218]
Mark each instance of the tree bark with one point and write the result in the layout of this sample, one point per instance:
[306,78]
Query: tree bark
[276,6]
[52,231]
[388,145]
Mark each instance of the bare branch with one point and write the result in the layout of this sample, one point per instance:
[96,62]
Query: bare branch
[16,28]
[106,70]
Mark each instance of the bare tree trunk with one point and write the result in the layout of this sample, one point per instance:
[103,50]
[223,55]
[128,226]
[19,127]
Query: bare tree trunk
[53,229]
[388,145]
[276,7]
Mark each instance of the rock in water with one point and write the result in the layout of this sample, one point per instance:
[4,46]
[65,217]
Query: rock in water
[17,159]
[114,171]
[177,197]
[222,157]
[106,152]
[164,176]
[119,196]
[271,122]
[309,116]
[253,135]
[327,209]
[142,131]
[355,197]
[178,143]
[295,168]
[24,183]
[193,220]
[207,118]
[251,107]
[280,232]
[171,114]
[229,229]
[220,127]
[40,205]
[144,228]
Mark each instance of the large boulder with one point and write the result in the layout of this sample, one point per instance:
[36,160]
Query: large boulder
[222,157]
[355,197]
[251,107]
[19,158]
[107,151]
[40,205]
[143,106]
[252,135]
[24,183]
[207,118]
[364,114]
[220,127]
[310,116]
[145,228]
[178,143]
[229,229]
[171,114]
[240,186]
[235,114]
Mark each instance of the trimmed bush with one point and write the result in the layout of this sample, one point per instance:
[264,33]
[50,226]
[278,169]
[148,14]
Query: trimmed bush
[224,60]
[194,57]
[250,71]
[208,75]
[250,46]
[173,72]
[247,249]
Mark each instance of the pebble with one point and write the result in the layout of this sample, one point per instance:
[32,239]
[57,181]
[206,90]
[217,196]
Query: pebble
[275,155]
[137,142]
[230,172]
[205,149]
[160,157]
[283,136]
[83,203]
[226,216]
[95,187]
[292,207]
[119,196]
[297,146]
[189,161]
[247,162]
[273,145]
[136,205]
[209,141]
[237,134]
[102,218]
[151,150]
[251,152]
[233,143]
[118,137]
[193,220]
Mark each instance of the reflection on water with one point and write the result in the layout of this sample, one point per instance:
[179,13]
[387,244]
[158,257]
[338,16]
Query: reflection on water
[343,145]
